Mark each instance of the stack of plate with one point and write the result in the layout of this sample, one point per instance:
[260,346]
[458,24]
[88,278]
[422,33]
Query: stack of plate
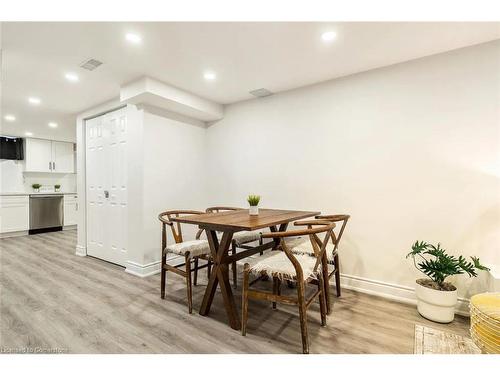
[485,322]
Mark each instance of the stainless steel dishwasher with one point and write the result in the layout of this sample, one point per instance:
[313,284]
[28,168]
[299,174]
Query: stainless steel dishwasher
[46,213]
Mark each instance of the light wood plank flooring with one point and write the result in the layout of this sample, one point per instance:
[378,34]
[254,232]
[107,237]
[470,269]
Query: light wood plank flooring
[51,298]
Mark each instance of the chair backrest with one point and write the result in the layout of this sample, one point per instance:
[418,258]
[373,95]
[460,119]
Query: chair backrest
[314,227]
[336,236]
[221,209]
[166,219]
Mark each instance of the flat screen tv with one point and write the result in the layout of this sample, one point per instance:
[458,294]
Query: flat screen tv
[11,148]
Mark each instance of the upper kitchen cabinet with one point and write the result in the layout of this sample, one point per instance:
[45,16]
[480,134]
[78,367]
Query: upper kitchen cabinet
[63,157]
[49,156]
[38,155]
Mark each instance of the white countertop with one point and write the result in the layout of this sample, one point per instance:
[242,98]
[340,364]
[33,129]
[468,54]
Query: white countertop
[39,193]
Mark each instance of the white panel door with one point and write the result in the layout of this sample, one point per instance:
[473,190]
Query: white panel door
[116,144]
[63,157]
[106,168]
[38,155]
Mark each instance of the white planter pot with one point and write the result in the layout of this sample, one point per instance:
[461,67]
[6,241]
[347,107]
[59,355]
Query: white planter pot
[253,210]
[436,305]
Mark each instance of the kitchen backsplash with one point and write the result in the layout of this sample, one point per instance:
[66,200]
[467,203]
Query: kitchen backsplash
[13,179]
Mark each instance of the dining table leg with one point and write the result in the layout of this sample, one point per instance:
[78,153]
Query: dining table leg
[220,276]
[282,228]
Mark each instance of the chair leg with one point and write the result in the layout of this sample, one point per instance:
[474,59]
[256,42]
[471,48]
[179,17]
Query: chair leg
[276,289]
[337,274]
[260,243]
[244,301]
[188,282]
[326,281]
[303,315]
[195,278]
[209,268]
[322,300]
[163,276]
[235,274]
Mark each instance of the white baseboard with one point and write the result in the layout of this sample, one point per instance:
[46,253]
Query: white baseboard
[14,234]
[392,291]
[382,289]
[81,251]
[143,270]
[70,227]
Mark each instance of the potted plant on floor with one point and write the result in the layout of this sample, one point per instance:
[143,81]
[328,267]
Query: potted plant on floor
[57,187]
[436,298]
[36,187]
[253,201]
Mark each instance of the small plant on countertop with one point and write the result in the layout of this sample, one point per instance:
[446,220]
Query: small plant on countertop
[36,186]
[253,200]
[442,265]
[57,187]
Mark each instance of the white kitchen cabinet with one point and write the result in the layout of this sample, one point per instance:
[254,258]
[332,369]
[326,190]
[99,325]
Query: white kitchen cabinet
[38,155]
[63,157]
[49,156]
[14,213]
[70,209]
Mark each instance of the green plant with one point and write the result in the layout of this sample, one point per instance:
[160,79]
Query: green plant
[57,186]
[36,186]
[253,200]
[443,264]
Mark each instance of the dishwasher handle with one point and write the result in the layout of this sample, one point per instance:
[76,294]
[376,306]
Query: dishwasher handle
[36,196]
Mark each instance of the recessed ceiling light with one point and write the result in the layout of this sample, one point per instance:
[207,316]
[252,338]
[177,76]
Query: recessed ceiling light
[53,124]
[34,100]
[72,77]
[9,118]
[328,36]
[133,38]
[28,134]
[209,76]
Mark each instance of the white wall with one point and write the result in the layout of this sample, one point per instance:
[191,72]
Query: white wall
[13,180]
[173,174]
[410,151]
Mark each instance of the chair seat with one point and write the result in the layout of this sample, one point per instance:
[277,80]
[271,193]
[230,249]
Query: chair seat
[305,248]
[276,263]
[292,242]
[195,248]
[241,238]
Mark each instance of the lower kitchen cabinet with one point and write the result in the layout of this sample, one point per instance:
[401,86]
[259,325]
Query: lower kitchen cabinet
[70,210]
[14,213]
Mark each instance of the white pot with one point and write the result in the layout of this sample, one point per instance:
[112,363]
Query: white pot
[436,305]
[253,210]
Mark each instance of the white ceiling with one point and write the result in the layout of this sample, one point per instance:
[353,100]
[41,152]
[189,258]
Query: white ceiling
[245,56]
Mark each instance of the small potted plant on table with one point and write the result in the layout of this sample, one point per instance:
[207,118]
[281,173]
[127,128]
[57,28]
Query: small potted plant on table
[57,187]
[253,201]
[436,299]
[36,187]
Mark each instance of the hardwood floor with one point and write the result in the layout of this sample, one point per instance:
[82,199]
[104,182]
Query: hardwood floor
[53,299]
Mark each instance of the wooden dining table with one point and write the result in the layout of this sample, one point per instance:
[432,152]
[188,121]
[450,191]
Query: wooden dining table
[229,222]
